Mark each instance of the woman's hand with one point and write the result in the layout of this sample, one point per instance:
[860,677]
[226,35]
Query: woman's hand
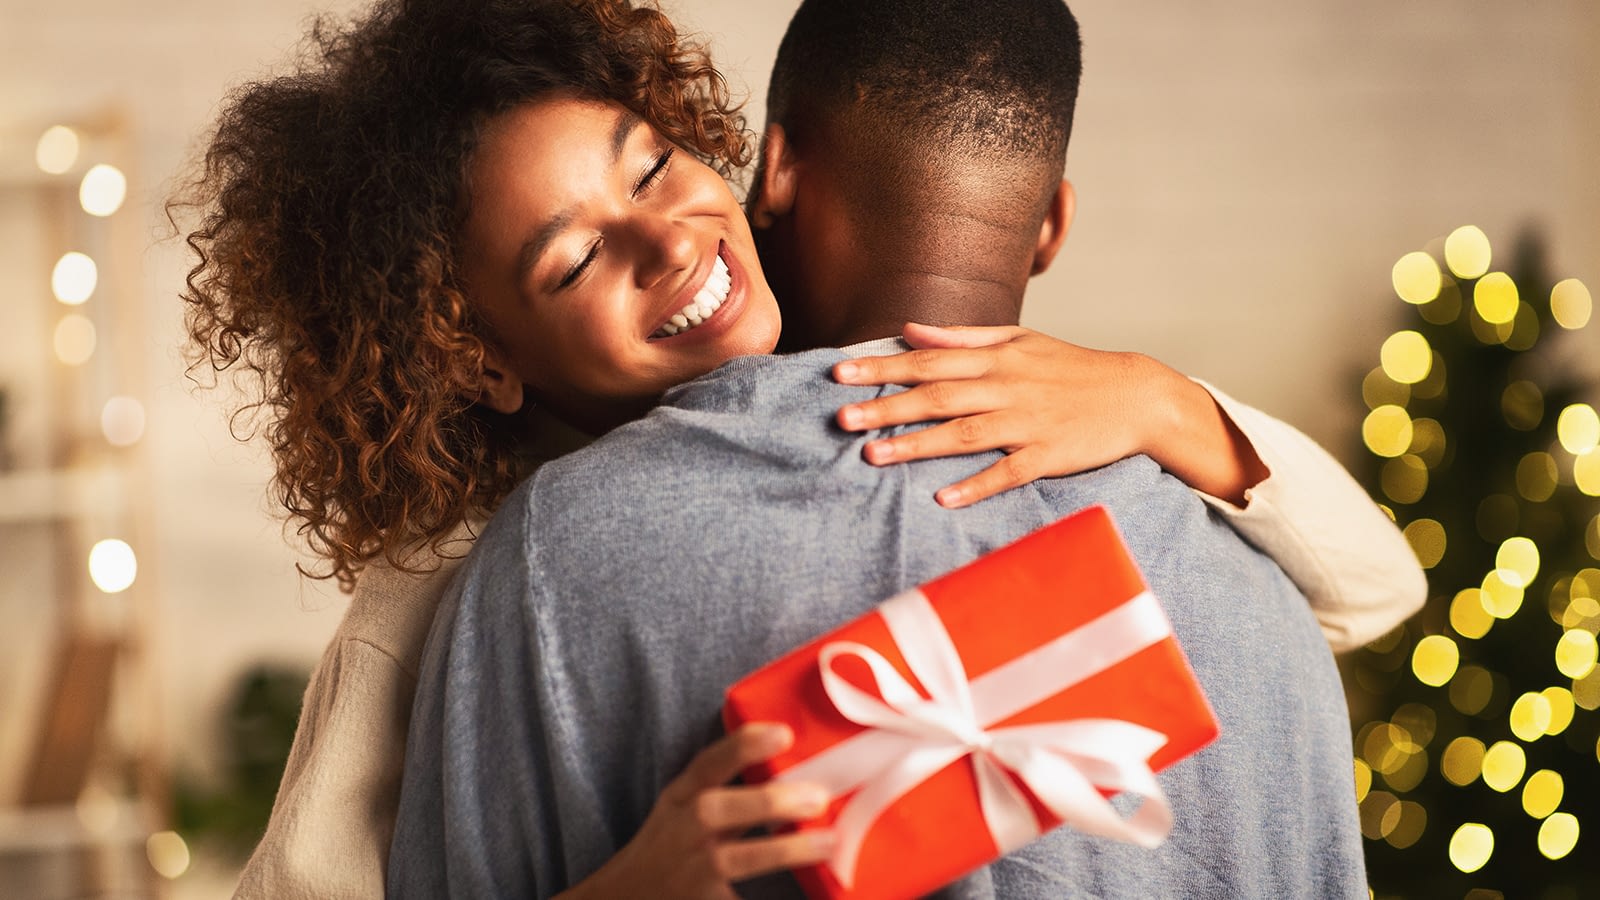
[692,845]
[1055,408]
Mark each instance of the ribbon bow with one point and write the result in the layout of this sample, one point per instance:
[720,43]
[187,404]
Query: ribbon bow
[1064,764]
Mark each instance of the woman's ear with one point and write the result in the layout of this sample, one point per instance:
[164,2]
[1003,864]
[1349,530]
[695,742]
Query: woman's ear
[774,196]
[501,389]
[1053,232]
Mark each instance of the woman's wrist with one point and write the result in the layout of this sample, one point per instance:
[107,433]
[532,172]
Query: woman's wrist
[1188,434]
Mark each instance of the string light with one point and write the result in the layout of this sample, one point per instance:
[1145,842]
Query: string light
[1576,654]
[1501,599]
[122,421]
[1503,765]
[102,190]
[1558,835]
[1537,476]
[1467,251]
[74,278]
[1586,473]
[1471,846]
[57,150]
[112,566]
[1427,540]
[1405,479]
[1435,659]
[1578,429]
[1417,278]
[1542,794]
[1517,561]
[1522,404]
[1561,709]
[74,339]
[1387,431]
[168,854]
[1530,717]
[1462,761]
[1363,779]
[1570,304]
[1468,616]
[1471,690]
[1412,821]
[1495,299]
[1406,357]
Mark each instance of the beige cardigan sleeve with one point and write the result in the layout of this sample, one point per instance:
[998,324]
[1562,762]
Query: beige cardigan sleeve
[1322,529]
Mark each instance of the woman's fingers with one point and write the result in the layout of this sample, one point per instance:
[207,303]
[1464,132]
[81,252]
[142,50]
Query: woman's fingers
[968,434]
[932,336]
[938,400]
[1010,471]
[916,367]
[743,807]
[738,860]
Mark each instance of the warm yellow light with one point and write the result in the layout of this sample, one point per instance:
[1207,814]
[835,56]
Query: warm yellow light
[1387,747]
[1462,761]
[1578,429]
[1591,538]
[122,421]
[1530,717]
[1471,846]
[1471,690]
[168,854]
[112,566]
[1380,813]
[1503,765]
[1578,612]
[1586,691]
[1433,384]
[1571,304]
[74,339]
[1518,557]
[1443,309]
[1428,441]
[1524,328]
[1419,720]
[1427,540]
[1363,779]
[1467,615]
[1435,659]
[74,278]
[1576,653]
[1541,796]
[1387,431]
[1378,389]
[1558,835]
[1495,299]
[1561,709]
[1522,403]
[1417,277]
[1404,479]
[1536,476]
[1501,599]
[1467,251]
[1406,357]
[57,149]
[1586,473]
[102,191]
[1413,820]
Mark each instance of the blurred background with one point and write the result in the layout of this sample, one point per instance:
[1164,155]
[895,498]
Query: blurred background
[1249,175]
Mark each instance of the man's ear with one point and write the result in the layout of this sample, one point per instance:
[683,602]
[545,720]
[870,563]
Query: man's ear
[501,389]
[775,194]
[1053,232]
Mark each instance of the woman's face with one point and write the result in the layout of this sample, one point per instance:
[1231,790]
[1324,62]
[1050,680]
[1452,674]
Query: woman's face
[610,264]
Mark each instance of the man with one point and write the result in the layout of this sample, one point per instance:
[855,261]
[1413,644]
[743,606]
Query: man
[579,664]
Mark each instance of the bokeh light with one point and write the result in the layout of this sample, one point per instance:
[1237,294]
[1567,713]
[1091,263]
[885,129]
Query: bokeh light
[1561,709]
[1571,304]
[1435,659]
[1530,717]
[1495,299]
[1578,429]
[1467,251]
[1406,357]
[1387,431]
[1467,615]
[1416,277]
[1558,835]
[1428,441]
[1522,403]
[168,854]
[1591,538]
[1520,557]
[1576,653]
[1586,473]
[1471,690]
[1541,796]
[57,150]
[1537,476]
[102,191]
[1363,779]
[74,340]
[1503,765]
[1413,821]
[1380,813]
[1524,328]
[1404,479]
[1378,389]
[1501,598]
[1445,308]
[113,566]
[74,278]
[122,421]
[1462,761]
[1427,540]
[1471,846]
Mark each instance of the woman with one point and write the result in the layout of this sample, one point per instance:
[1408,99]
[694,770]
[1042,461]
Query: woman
[359,255]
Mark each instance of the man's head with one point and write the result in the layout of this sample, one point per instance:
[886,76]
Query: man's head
[913,140]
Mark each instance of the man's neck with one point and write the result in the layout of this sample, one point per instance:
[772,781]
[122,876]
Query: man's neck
[887,302]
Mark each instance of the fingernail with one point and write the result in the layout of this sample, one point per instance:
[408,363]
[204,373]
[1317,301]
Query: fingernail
[823,842]
[775,737]
[850,417]
[880,452]
[948,497]
[809,801]
[845,370]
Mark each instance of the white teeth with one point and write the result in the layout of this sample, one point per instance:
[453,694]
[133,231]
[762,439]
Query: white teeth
[707,301]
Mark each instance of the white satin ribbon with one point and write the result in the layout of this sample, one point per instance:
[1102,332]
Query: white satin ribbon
[910,738]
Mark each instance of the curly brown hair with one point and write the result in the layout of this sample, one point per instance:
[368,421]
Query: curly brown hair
[330,200]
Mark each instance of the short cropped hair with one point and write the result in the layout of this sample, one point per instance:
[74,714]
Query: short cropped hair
[986,78]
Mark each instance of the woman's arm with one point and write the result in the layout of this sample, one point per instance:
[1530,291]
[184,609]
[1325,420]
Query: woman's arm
[1057,409]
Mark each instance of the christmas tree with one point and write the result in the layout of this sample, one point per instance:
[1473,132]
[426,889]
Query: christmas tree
[1477,738]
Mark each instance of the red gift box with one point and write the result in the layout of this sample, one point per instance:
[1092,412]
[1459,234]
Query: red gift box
[962,719]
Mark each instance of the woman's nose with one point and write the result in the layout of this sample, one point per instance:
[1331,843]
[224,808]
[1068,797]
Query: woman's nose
[665,245]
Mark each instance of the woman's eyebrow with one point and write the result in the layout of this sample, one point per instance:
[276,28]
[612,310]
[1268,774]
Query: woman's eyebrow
[627,123]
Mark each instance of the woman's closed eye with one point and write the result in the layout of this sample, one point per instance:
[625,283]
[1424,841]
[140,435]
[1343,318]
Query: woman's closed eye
[581,266]
[655,172]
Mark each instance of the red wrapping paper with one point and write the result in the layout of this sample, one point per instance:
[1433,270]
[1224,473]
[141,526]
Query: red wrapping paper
[996,608]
